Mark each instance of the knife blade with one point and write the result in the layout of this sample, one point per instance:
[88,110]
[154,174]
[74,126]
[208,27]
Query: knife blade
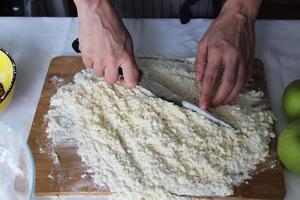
[164,93]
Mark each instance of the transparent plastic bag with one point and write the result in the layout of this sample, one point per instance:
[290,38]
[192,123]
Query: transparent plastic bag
[16,166]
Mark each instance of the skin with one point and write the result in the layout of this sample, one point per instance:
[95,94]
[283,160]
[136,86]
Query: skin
[105,43]
[106,46]
[229,41]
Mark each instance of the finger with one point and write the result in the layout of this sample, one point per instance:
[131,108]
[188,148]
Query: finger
[228,81]
[98,69]
[87,61]
[111,74]
[241,81]
[130,75]
[200,62]
[210,76]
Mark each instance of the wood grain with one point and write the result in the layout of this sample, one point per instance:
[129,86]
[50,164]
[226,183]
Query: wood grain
[69,177]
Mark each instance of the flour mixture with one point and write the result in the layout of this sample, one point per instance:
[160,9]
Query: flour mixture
[143,147]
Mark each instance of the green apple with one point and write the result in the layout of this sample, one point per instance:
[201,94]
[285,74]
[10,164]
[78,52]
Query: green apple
[288,146]
[291,101]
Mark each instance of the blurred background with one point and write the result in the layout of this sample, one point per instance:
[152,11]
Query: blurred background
[271,9]
[50,8]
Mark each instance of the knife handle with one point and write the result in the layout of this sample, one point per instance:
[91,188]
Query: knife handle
[75,45]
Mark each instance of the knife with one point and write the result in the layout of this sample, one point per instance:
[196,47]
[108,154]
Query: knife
[164,93]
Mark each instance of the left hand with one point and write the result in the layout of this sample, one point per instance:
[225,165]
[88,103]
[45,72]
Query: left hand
[105,43]
[228,42]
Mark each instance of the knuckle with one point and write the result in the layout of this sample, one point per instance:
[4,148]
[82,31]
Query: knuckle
[198,69]
[204,96]
[86,61]
[111,58]
[99,63]
[242,74]
[202,55]
[208,79]
[199,62]
[234,96]
[224,43]
[86,56]
[229,83]
[230,99]
[215,51]
[217,101]
[132,65]
[233,52]
[87,52]
[132,83]
[99,68]
[198,65]
[201,44]
[128,57]
[227,46]
[110,80]
[98,73]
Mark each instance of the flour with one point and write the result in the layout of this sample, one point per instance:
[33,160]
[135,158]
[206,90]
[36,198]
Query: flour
[57,81]
[143,147]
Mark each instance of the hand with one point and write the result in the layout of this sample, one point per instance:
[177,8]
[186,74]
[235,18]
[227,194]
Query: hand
[228,42]
[105,43]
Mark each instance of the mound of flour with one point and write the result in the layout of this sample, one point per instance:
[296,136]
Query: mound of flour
[143,147]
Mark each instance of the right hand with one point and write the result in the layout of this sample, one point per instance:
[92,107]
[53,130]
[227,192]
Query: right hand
[229,41]
[105,43]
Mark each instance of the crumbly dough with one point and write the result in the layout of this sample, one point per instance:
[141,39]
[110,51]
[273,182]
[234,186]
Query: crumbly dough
[143,147]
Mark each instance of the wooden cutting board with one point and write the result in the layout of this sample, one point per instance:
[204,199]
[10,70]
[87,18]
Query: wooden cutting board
[69,177]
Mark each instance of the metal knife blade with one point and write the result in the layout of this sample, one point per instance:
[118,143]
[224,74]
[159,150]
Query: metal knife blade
[160,91]
[195,108]
[164,93]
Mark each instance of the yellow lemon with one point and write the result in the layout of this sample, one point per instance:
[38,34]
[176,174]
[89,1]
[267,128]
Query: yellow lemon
[7,78]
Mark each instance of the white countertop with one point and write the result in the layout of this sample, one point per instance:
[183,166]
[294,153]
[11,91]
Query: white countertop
[33,42]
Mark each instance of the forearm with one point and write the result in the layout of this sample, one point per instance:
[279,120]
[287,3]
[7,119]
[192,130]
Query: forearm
[105,43]
[90,4]
[103,12]
[246,8]
[102,8]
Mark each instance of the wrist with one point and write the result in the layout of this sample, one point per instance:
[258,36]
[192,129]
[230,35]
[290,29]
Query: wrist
[101,13]
[246,8]
[94,9]
[90,5]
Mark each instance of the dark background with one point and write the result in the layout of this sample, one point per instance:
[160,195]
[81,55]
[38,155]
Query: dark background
[270,9]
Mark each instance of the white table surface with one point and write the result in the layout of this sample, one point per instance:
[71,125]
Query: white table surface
[33,42]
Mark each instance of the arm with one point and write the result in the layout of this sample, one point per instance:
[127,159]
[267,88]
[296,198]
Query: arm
[105,43]
[228,42]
